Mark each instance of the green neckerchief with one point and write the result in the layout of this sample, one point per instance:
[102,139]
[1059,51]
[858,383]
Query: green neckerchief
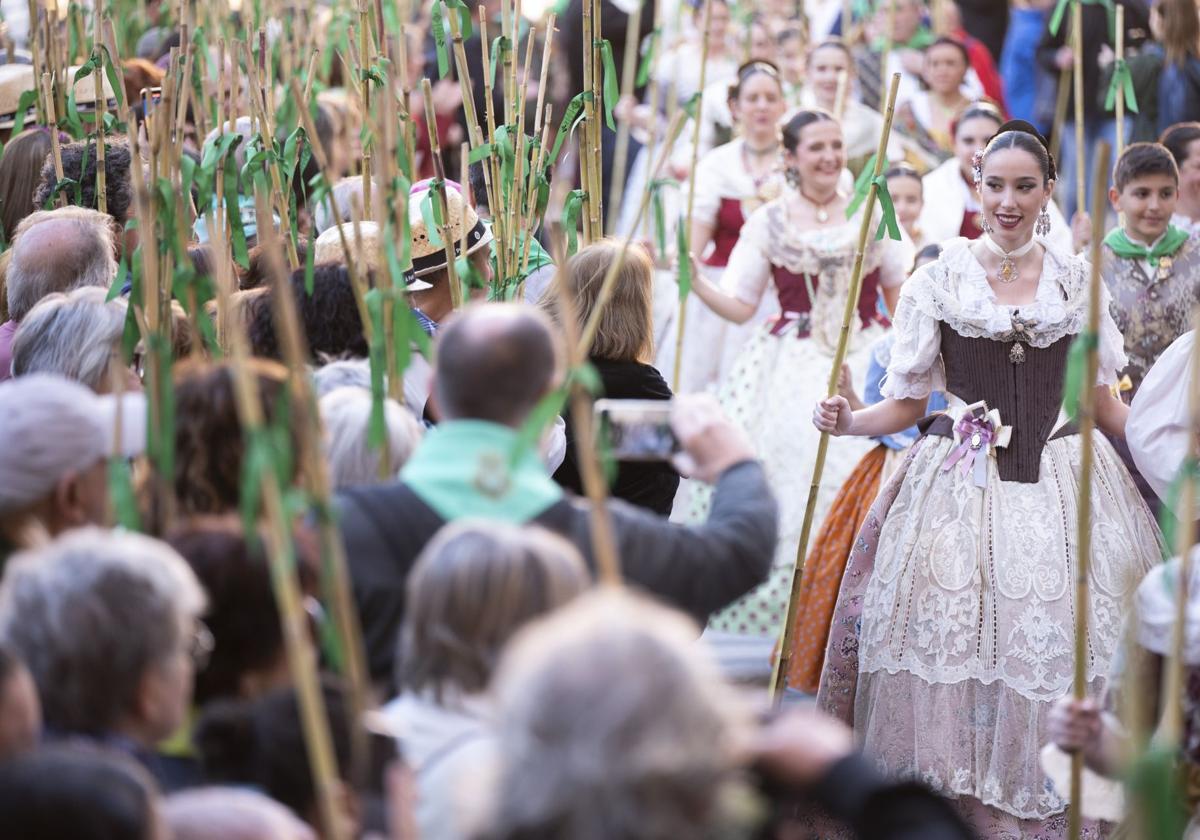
[919,41]
[1127,249]
[465,468]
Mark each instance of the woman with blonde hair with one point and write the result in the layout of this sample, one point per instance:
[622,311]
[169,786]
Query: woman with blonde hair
[473,587]
[621,353]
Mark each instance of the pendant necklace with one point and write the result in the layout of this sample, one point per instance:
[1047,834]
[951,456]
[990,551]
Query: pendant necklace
[1008,267]
[822,213]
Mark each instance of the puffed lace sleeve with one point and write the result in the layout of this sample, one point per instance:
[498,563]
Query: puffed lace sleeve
[1158,430]
[915,369]
[749,269]
[1111,359]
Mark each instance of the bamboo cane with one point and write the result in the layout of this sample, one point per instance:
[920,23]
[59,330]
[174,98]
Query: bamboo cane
[1120,103]
[101,109]
[1062,95]
[779,674]
[654,97]
[55,146]
[621,150]
[589,111]
[885,57]
[843,87]
[1087,424]
[593,132]
[439,195]
[681,323]
[1080,150]
[847,20]
[364,35]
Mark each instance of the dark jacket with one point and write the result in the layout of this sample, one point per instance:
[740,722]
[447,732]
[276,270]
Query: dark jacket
[1179,93]
[699,569]
[648,484]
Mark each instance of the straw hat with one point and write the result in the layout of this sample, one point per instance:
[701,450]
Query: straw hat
[428,257]
[15,79]
[329,248]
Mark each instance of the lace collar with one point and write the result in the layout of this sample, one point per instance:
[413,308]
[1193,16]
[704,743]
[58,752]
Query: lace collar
[955,290]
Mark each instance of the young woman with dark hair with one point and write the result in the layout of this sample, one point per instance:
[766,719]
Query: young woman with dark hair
[952,633]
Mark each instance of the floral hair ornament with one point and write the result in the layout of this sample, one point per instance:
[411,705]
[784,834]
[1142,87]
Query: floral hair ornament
[979,433]
[977,168]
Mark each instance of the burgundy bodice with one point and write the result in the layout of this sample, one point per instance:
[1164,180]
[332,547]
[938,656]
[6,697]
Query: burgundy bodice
[970,225]
[795,304]
[730,219]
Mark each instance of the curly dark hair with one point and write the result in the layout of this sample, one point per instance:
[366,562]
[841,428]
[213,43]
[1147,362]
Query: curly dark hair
[241,604]
[209,441]
[329,317]
[118,186]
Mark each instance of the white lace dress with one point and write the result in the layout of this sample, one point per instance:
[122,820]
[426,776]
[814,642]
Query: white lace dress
[954,630]
[784,368]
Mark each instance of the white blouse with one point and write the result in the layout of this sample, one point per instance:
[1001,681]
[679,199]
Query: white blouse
[1158,430]
[955,290]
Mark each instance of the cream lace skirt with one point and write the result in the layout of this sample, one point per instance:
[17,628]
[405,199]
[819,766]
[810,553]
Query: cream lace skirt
[954,630]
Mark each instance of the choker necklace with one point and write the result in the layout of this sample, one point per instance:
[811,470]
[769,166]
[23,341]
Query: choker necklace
[822,213]
[1008,268]
[763,152]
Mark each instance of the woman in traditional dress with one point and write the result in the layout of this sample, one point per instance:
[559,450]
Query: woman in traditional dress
[732,181]
[1183,139]
[956,212]
[829,551]
[928,115]
[952,636]
[802,246]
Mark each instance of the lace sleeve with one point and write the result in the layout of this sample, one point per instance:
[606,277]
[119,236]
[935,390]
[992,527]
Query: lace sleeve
[1111,345]
[749,269]
[915,369]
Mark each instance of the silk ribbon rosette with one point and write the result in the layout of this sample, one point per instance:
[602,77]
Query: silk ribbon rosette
[979,432]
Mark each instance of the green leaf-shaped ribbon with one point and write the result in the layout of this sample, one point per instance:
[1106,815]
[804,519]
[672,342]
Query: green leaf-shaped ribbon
[1121,79]
[660,216]
[24,103]
[508,157]
[431,214]
[574,108]
[570,219]
[377,350]
[652,40]
[500,44]
[862,185]
[120,492]
[1056,18]
[691,107]
[1168,520]
[887,210]
[1075,387]
[683,257]
[480,153]
[438,25]
[612,84]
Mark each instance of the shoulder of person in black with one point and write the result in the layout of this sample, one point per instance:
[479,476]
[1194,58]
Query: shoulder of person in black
[648,484]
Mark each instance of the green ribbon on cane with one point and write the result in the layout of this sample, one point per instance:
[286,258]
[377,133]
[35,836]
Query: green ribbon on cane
[570,219]
[887,209]
[612,85]
[377,353]
[1073,382]
[431,214]
[1121,79]
[1060,10]
[439,29]
[660,214]
[24,103]
[500,44]
[682,254]
[1168,520]
[652,41]
[120,491]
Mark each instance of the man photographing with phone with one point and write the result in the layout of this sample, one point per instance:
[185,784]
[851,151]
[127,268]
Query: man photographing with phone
[495,362]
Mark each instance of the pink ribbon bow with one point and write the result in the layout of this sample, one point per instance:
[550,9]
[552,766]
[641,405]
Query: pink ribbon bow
[978,431]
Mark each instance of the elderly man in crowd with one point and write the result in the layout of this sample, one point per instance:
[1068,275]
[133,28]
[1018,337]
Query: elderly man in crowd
[76,335]
[108,624]
[54,251]
[57,438]
[495,363]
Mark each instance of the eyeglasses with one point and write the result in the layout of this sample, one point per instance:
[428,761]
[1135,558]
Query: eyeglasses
[200,645]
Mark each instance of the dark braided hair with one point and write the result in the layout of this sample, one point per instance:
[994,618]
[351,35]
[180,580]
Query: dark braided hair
[1018,134]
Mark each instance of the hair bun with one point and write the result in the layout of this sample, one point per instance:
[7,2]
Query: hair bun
[1026,127]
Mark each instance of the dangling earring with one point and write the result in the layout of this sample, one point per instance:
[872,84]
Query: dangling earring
[792,175]
[984,224]
[1042,226]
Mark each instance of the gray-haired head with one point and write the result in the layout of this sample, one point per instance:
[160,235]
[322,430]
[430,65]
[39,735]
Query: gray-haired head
[227,813]
[343,373]
[346,414]
[655,759]
[55,428]
[73,335]
[92,614]
[343,196]
[57,255]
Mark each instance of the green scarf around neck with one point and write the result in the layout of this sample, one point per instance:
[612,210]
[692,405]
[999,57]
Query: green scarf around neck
[921,39]
[467,469]
[1125,248]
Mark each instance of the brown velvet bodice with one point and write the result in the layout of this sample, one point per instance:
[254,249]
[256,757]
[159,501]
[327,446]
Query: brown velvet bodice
[1028,395]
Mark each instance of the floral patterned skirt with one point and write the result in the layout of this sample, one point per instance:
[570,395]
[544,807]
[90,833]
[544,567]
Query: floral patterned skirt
[954,630]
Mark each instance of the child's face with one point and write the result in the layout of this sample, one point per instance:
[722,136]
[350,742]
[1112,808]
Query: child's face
[944,68]
[1148,203]
[907,198]
[791,60]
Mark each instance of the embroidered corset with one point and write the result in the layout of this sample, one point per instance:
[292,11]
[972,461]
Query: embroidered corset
[1028,395]
[730,219]
[796,305]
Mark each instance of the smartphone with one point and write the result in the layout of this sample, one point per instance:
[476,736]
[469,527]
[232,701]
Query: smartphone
[150,99]
[637,430]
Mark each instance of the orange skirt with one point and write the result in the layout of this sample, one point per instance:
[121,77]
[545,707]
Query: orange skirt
[824,567]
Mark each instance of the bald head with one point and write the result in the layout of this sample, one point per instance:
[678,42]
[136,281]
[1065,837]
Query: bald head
[59,254]
[494,362]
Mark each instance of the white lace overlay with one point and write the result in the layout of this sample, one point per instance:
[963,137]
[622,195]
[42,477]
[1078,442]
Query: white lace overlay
[968,622]
[954,290]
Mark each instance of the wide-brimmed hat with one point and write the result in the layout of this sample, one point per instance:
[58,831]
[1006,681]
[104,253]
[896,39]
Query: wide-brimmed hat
[15,79]
[329,248]
[428,257]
